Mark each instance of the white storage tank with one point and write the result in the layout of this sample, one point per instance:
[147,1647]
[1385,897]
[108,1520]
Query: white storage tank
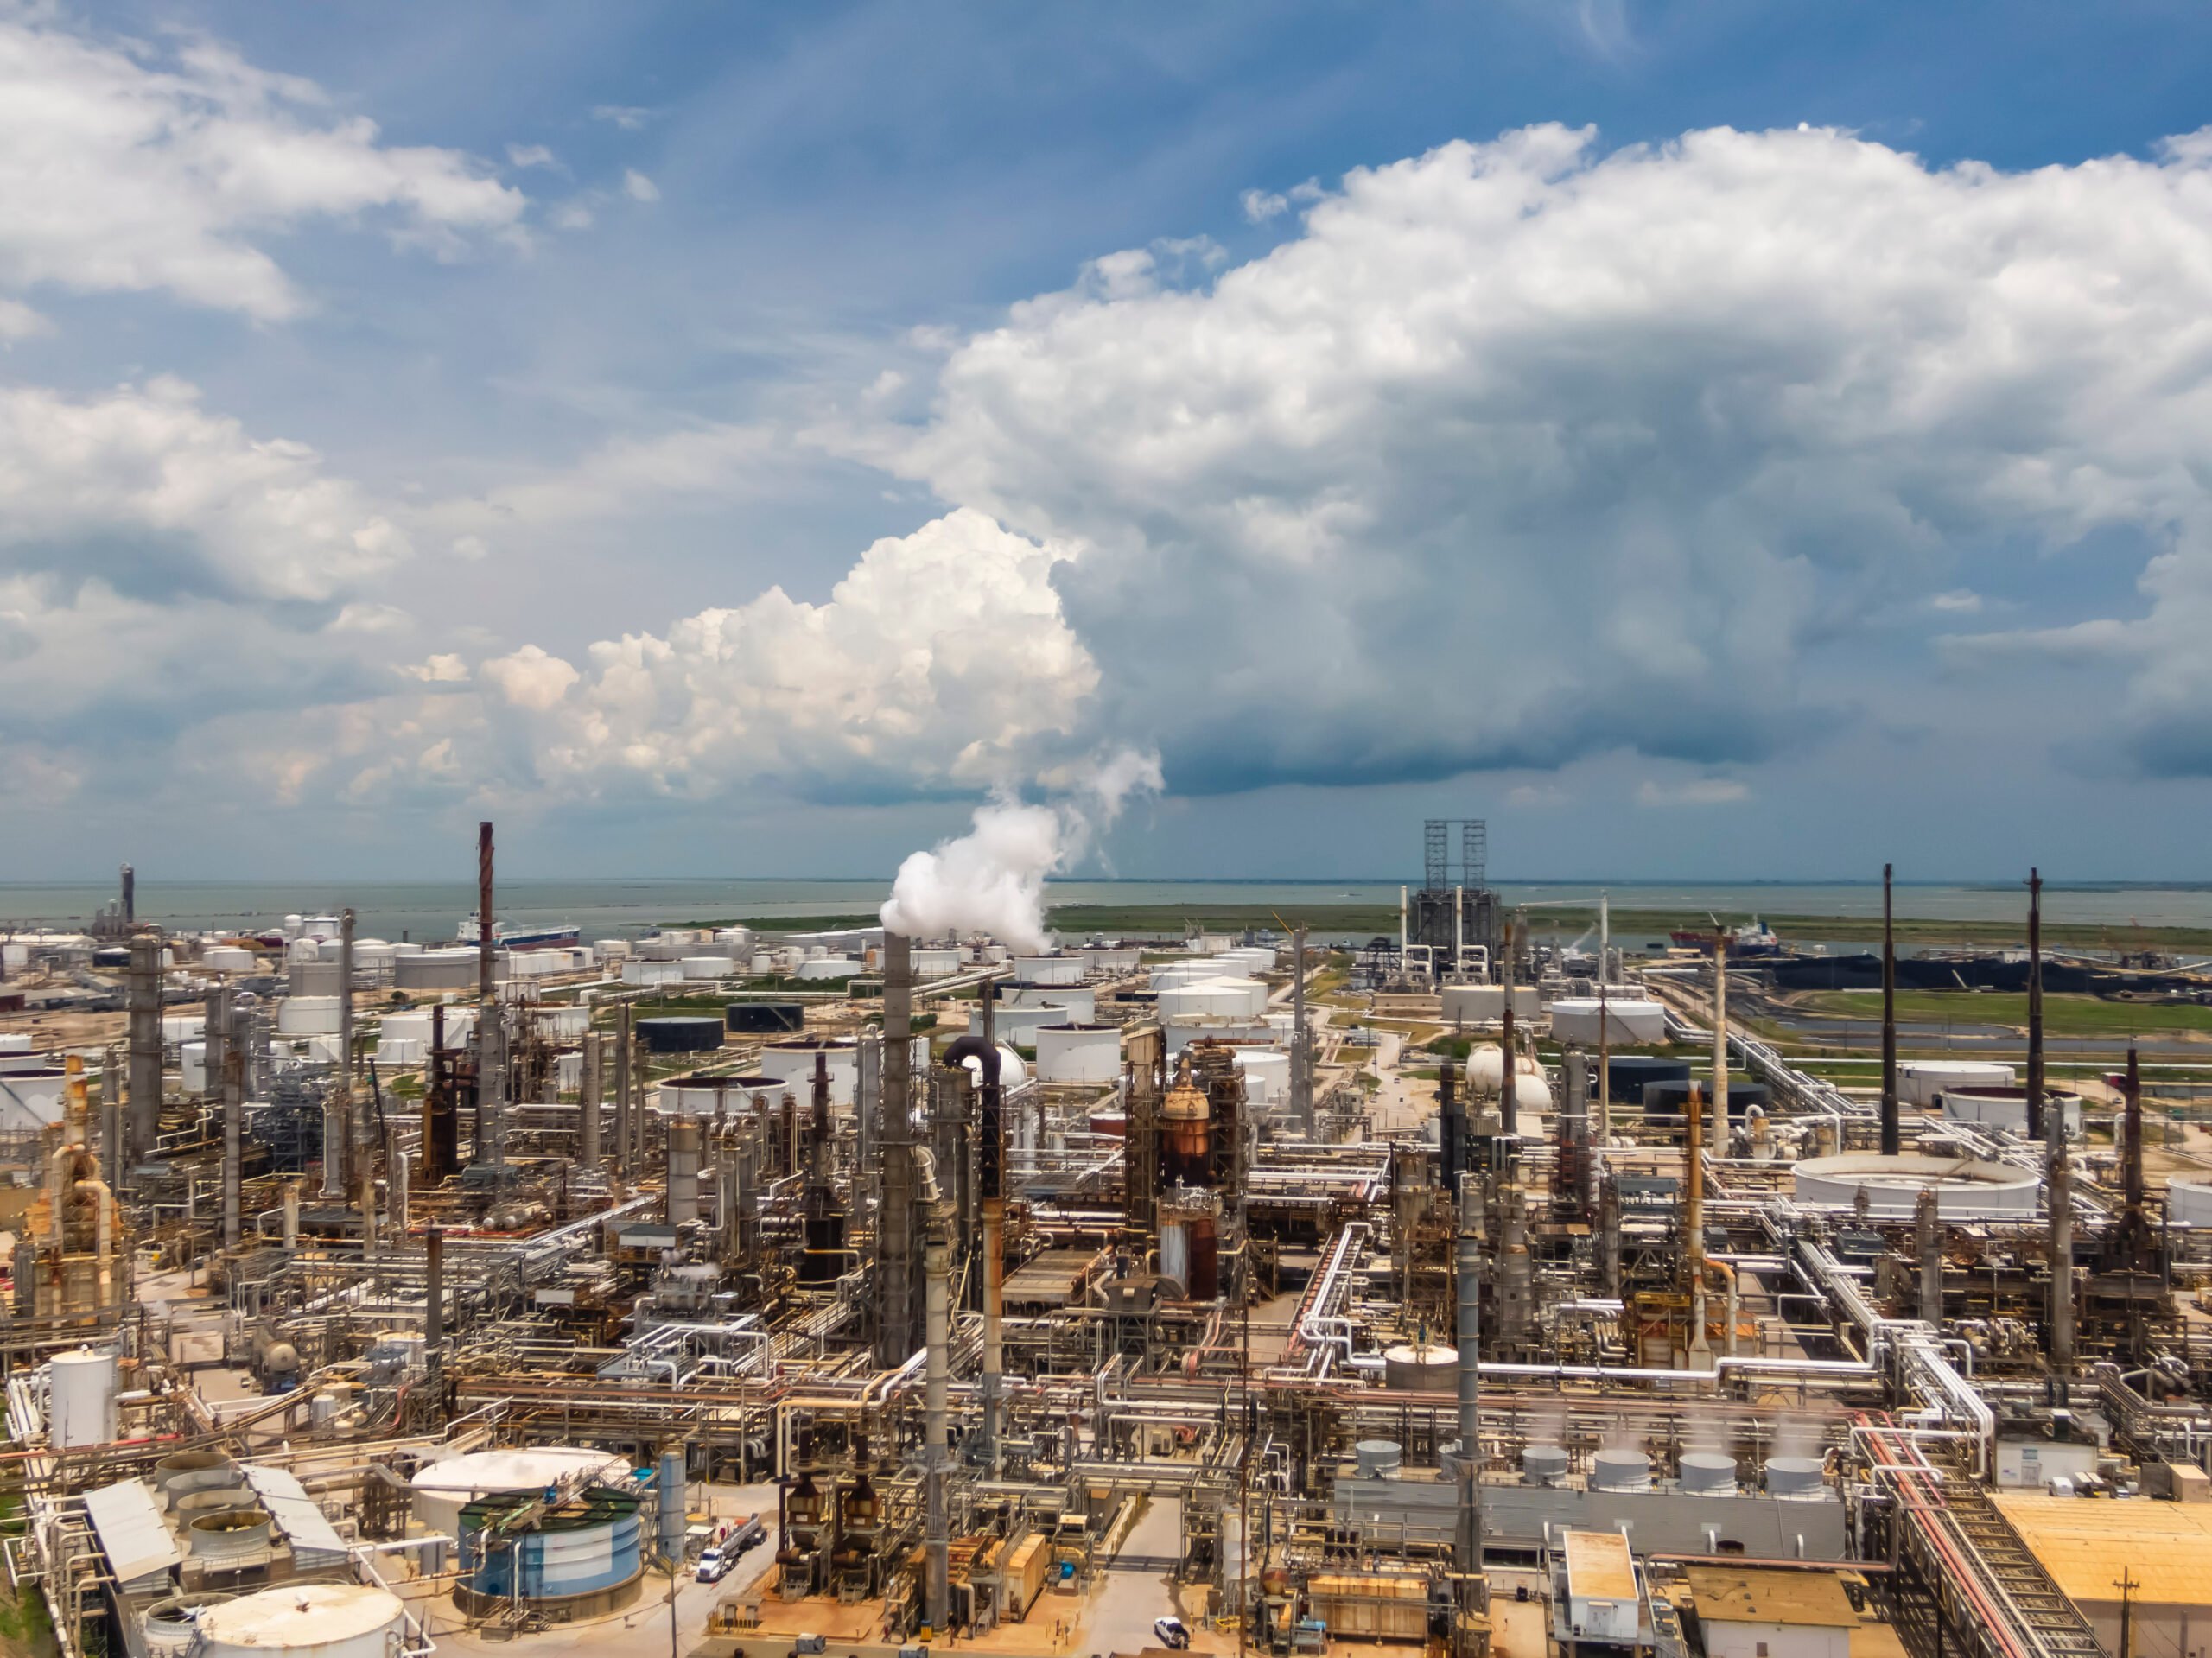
[1167,975]
[1266,1074]
[1078,1053]
[936,963]
[792,1064]
[1016,1025]
[1620,1471]
[705,967]
[1919,1080]
[2005,1111]
[229,958]
[828,966]
[1077,1003]
[1485,1004]
[1964,1187]
[443,1488]
[308,1016]
[191,1066]
[2189,1203]
[1798,1478]
[305,1620]
[1415,1368]
[637,972]
[80,1399]
[1709,1473]
[1050,969]
[604,950]
[1626,1019]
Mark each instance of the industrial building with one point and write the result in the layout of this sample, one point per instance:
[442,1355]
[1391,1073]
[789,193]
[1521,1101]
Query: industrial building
[371,1299]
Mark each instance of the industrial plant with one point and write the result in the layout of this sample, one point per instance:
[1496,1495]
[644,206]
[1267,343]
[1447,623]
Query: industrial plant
[1476,1290]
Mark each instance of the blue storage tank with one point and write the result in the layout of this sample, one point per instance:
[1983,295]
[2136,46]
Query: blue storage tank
[583,1551]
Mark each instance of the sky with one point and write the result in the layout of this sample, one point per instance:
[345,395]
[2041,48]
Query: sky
[1729,439]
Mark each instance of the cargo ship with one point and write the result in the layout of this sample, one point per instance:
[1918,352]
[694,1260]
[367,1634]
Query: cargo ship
[510,938]
[1753,938]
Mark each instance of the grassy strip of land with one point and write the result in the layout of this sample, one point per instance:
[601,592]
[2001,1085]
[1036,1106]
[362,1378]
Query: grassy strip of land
[1549,920]
[2066,1015]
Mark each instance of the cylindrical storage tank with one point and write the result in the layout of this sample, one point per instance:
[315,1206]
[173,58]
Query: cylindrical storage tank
[231,1534]
[171,1627]
[1016,1025]
[706,967]
[1544,1464]
[304,1620]
[1627,1075]
[229,958]
[1919,1080]
[681,1034]
[1050,969]
[191,1066]
[1621,1021]
[637,972]
[1076,1003]
[441,969]
[80,1399]
[308,1016]
[1171,973]
[373,954]
[1892,1185]
[563,1024]
[1485,1004]
[2005,1110]
[2189,1203]
[936,963]
[32,1098]
[592,1546]
[604,951]
[1266,1074]
[764,1017]
[1079,1053]
[827,967]
[1378,1458]
[1620,1471]
[669,1503]
[1418,1368]
[444,1489]
[792,1064]
[1796,1476]
[1708,1473]
[1673,1099]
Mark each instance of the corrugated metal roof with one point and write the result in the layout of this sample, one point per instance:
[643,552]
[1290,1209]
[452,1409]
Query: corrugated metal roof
[133,1536]
[1753,1596]
[303,1524]
[2086,1543]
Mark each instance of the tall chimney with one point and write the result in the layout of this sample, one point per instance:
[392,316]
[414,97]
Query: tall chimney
[111,1121]
[1890,1126]
[434,1312]
[1468,1468]
[1717,1130]
[937,1276]
[623,1055]
[144,1020]
[129,896]
[2131,1151]
[1508,1080]
[484,985]
[896,1213]
[2035,1005]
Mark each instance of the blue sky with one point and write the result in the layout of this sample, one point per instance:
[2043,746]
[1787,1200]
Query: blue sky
[726,439]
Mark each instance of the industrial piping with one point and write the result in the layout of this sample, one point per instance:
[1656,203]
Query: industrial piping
[984,1049]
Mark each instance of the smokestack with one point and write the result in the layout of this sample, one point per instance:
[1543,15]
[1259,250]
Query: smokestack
[434,1311]
[111,1121]
[2132,1168]
[622,1057]
[1927,1237]
[1509,1080]
[129,896]
[988,1155]
[2058,1172]
[1450,1128]
[1301,1045]
[1701,1348]
[1717,1130]
[1603,1132]
[937,1276]
[2035,1005]
[1609,1235]
[1574,1128]
[1470,1545]
[896,1215]
[143,995]
[484,985]
[587,1098]
[233,1128]
[441,1109]
[1889,1127]
[1401,931]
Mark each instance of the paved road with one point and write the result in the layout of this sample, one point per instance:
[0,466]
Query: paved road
[1137,1588]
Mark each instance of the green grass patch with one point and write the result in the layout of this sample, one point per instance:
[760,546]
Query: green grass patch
[2063,1015]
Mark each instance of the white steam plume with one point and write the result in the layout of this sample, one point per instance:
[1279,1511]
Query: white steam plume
[992,878]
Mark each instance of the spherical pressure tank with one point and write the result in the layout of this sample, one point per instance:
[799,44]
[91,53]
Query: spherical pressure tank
[1795,1477]
[1078,1053]
[1485,1068]
[80,1399]
[702,1034]
[1544,1464]
[1378,1458]
[1892,1185]
[444,1489]
[304,1620]
[1627,1075]
[1419,1368]
[1708,1473]
[1620,1471]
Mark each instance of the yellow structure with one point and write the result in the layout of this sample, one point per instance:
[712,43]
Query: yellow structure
[2091,1546]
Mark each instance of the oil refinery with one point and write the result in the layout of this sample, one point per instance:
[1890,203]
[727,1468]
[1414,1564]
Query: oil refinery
[1460,1292]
